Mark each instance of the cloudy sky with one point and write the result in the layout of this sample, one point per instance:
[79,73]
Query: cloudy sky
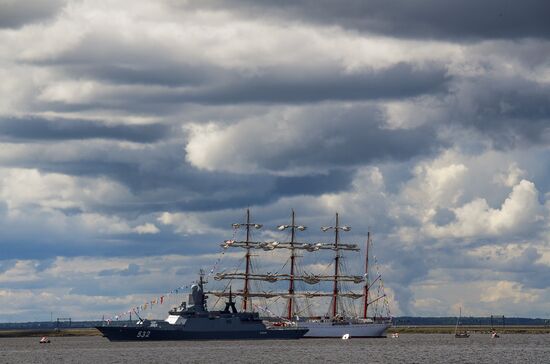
[133,133]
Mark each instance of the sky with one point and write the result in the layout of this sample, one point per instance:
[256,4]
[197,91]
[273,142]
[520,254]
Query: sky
[134,133]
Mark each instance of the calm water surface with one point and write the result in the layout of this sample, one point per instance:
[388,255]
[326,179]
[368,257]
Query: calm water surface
[412,348]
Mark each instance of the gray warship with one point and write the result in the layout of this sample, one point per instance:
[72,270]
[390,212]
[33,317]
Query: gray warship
[192,321]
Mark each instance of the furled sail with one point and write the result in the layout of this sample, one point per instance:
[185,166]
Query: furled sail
[309,278]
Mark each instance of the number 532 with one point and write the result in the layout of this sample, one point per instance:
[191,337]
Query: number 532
[143,334]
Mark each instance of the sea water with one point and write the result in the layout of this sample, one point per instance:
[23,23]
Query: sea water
[408,348]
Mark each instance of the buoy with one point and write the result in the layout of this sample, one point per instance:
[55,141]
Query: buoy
[345,337]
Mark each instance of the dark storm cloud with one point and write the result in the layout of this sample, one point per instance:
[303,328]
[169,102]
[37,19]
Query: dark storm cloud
[365,143]
[16,13]
[525,268]
[159,179]
[443,216]
[283,86]
[124,74]
[301,86]
[507,110]
[43,243]
[443,19]
[161,84]
[314,184]
[37,128]
[184,188]
[114,60]
[331,137]
[28,245]
[407,267]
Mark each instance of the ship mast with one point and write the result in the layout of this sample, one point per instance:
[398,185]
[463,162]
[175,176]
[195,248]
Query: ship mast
[292,248]
[201,285]
[247,257]
[292,259]
[368,284]
[247,246]
[336,266]
[337,277]
[366,288]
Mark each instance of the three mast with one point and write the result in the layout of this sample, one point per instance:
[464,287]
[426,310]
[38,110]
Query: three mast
[292,277]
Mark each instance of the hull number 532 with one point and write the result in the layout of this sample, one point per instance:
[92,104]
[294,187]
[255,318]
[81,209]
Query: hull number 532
[143,334]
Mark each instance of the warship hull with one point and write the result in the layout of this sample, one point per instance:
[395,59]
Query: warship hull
[118,333]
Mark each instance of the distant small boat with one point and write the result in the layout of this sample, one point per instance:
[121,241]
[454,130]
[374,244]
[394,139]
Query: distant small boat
[395,335]
[494,333]
[460,334]
[44,340]
[345,337]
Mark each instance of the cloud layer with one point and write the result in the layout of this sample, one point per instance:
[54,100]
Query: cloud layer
[132,134]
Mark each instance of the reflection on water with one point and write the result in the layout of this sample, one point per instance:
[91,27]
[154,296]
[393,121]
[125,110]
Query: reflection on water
[411,348]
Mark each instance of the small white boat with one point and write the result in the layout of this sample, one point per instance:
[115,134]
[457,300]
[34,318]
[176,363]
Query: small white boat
[460,334]
[44,340]
[395,335]
[345,337]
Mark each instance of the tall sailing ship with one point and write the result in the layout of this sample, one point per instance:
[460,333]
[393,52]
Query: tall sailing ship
[336,321]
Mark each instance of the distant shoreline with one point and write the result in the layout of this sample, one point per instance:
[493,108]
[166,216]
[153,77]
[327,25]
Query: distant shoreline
[49,332]
[480,329]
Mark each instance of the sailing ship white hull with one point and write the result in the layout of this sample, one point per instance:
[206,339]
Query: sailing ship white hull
[318,329]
